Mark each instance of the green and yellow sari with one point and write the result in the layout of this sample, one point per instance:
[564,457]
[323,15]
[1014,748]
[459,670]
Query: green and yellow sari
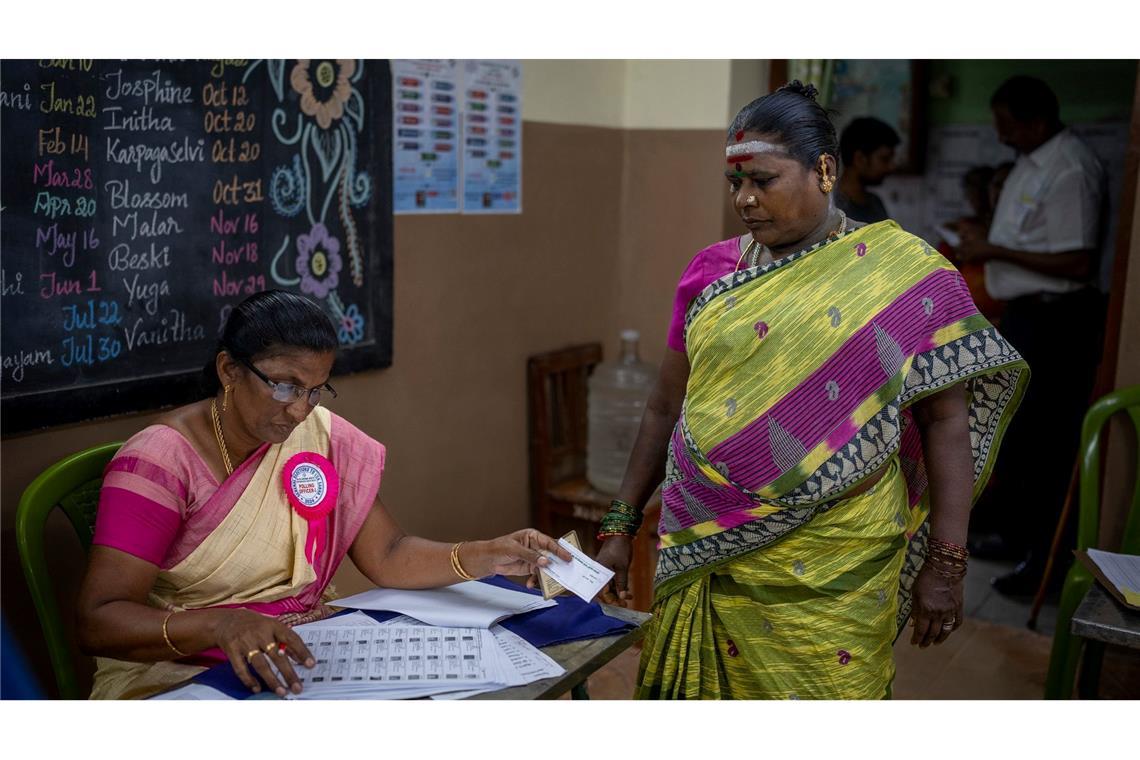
[771,582]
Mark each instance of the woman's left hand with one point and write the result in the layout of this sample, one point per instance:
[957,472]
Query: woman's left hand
[518,553]
[936,611]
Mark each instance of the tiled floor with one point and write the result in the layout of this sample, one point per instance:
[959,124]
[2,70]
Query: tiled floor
[992,656]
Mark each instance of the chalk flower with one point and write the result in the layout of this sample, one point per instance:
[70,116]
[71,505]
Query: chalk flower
[351,328]
[318,261]
[324,87]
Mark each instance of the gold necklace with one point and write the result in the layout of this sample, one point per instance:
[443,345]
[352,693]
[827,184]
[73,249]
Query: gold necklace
[756,249]
[221,439]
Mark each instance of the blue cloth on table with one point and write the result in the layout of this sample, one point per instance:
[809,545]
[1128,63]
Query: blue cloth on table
[570,619]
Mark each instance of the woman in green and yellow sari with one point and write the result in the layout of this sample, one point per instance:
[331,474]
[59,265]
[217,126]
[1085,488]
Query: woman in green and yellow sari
[831,404]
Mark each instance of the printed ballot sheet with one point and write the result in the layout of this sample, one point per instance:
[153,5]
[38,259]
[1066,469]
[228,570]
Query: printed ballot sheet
[399,655]
[581,575]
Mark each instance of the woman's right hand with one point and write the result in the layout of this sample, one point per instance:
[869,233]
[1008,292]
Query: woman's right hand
[616,554]
[252,641]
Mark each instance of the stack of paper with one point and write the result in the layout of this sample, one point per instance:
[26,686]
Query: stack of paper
[403,658]
[1119,573]
[464,605]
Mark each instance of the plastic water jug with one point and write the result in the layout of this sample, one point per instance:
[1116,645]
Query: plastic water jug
[618,391]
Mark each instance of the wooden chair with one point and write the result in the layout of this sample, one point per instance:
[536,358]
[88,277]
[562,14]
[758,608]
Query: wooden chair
[561,498]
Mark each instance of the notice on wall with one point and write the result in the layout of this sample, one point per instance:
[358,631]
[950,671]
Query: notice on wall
[425,136]
[491,172]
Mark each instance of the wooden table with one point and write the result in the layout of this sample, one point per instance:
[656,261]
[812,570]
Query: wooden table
[580,659]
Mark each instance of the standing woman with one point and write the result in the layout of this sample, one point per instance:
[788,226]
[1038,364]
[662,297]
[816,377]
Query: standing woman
[221,525]
[831,404]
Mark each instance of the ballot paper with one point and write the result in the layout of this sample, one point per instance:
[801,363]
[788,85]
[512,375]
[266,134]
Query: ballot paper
[525,664]
[580,575]
[465,605]
[402,658]
[410,659]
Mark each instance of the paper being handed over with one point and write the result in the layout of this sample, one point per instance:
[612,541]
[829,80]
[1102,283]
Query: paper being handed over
[581,575]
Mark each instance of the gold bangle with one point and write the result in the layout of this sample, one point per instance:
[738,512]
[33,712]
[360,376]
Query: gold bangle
[457,566]
[166,635]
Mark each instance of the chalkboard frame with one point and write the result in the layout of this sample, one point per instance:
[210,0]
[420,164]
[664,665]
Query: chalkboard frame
[32,411]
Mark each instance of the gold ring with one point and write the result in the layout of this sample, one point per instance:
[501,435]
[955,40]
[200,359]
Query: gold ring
[250,654]
[270,647]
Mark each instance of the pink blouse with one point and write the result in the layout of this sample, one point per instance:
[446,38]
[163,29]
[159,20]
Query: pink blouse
[707,266]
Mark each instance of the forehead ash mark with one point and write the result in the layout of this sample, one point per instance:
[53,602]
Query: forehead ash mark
[751,147]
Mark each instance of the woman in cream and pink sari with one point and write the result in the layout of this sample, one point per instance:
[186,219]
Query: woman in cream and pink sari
[221,525]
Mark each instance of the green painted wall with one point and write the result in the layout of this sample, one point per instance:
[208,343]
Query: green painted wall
[1088,90]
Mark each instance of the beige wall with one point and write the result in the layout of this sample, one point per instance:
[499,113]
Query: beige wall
[611,217]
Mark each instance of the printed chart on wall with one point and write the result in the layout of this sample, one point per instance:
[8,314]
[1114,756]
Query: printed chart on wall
[425,130]
[492,137]
[143,200]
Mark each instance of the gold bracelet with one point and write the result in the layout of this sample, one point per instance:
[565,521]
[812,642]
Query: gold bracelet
[166,635]
[457,566]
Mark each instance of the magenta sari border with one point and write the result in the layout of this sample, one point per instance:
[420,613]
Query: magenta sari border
[216,507]
[797,412]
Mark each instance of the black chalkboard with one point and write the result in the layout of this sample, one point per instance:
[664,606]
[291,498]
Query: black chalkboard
[141,200]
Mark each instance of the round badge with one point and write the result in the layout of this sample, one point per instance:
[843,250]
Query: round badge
[311,484]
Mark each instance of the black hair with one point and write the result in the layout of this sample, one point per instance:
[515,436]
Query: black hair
[866,135]
[1028,98]
[268,323]
[791,112]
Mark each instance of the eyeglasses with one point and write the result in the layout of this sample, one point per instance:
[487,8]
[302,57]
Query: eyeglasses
[287,393]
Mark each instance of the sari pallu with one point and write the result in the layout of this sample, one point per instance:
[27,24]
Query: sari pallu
[253,555]
[802,375]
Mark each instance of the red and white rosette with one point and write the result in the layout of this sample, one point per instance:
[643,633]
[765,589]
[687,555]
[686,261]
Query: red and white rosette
[311,485]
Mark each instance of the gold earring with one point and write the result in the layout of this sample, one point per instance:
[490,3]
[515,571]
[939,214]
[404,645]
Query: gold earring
[827,182]
[226,398]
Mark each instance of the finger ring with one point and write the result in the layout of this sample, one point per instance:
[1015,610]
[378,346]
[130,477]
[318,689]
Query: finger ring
[270,647]
[948,625]
[251,653]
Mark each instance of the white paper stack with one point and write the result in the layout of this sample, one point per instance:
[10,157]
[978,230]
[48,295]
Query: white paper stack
[413,657]
[464,605]
[403,658]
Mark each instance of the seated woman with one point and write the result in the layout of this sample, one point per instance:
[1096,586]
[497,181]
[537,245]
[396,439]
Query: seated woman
[222,524]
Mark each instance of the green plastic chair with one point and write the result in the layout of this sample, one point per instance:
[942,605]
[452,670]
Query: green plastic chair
[72,484]
[1066,656]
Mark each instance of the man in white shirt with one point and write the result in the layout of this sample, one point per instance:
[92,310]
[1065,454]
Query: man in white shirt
[1041,256]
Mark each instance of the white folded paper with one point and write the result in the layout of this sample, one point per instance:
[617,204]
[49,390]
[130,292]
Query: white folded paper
[580,575]
[464,605]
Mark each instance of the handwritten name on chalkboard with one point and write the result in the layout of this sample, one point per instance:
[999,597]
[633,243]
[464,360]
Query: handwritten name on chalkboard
[141,200]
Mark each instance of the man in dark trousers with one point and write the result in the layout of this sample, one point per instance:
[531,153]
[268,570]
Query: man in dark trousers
[1041,256]
[867,147]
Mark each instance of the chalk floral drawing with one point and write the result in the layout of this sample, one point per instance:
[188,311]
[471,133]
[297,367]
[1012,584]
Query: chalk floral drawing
[318,261]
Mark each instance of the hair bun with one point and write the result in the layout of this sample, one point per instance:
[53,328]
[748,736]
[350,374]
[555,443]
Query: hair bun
[807,90]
